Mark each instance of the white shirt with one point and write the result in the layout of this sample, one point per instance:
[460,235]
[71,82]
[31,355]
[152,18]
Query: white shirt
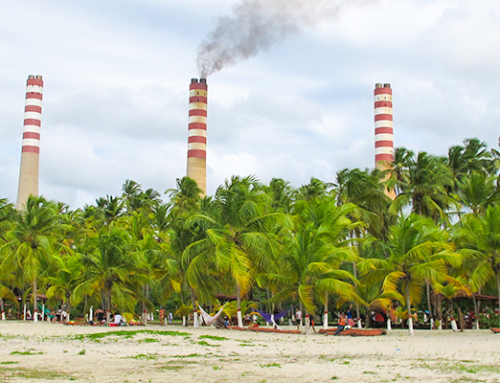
[118,319]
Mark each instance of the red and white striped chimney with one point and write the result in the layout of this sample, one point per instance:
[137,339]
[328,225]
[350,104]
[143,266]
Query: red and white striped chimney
[28,175]
[384,141]
[197,140]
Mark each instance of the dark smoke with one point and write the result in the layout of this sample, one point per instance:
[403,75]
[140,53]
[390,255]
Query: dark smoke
[256,25]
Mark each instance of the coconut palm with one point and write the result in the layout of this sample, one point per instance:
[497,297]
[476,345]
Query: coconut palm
[113,271]
[419,253]
[421,182]
[238,236]
[309,266]
[32,241]
[477,191]
[478,239]
[69,274]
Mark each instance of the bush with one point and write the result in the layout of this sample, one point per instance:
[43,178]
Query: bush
[489,319]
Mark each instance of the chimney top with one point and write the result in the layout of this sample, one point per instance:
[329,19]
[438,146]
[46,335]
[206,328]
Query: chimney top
[378,85]
[203,80]
[38,77]
[387,85]
[194,81]
[31,77]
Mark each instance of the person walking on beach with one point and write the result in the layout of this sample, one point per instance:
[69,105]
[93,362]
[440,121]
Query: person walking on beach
[298,317]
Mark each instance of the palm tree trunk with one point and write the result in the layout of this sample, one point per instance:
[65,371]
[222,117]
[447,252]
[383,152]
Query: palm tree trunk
[3,309]
[68,308]
[410,319]
[35,316]
[429,306]
[325,317]
[497,275]
[476,311]
[196,323]
[452,317]
[238,306]
[355,273]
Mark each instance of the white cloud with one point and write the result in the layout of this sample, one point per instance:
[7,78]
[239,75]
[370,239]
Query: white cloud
[117,75]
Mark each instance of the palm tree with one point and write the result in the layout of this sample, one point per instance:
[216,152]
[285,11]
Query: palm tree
[478,239]
[238,236]
[68,276]
[421,182]
[477,191]
[113,270]
[31,242]
[419,253]
[185,202]
[366,190]
[309,265]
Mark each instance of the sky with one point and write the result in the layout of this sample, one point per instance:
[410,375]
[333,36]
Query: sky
[116,88]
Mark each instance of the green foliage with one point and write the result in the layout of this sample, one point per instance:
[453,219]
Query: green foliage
[322,243]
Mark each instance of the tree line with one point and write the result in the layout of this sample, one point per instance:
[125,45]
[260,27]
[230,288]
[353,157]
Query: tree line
[321,247]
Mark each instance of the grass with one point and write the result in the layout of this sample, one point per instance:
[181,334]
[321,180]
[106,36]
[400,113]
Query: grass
[149,340]
[28,352]
[129,334]
[187,356]
[211,337]
[9,362]
[203,343]
[145,356]
[466,366]
[271,365]
[82,352]
[19,373]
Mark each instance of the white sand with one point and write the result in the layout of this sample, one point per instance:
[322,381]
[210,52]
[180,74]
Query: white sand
[51,353]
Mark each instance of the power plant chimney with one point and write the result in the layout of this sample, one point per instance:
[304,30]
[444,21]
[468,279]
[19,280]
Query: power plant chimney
[28,175]
[384,140]
[197,138]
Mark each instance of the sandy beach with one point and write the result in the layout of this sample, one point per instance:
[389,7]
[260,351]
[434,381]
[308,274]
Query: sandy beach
[57,353]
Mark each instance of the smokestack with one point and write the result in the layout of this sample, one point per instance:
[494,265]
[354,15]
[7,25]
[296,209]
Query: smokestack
[384,146]
[197,137]
[384,141]
[28,176]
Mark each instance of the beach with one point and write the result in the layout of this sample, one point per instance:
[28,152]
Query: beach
[44,352]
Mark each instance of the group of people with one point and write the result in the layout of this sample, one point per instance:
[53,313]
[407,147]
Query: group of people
[169,317]
[345,321]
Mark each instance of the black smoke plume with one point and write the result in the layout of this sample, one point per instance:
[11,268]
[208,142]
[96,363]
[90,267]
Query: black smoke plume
[256,25]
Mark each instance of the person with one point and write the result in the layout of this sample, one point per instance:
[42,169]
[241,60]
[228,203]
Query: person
[312,322]
[162,315]
[226,321]
[170,317]
[118,319]
[100,317]
[341,324]
[298,317]
[59,315]
[350,321]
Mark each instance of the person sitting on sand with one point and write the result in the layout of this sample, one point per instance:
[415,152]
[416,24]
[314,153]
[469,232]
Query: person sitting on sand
[119,319]
[341,324]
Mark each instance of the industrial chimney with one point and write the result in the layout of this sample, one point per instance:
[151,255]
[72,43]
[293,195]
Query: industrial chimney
[384,141]
[197,138]
[28,175]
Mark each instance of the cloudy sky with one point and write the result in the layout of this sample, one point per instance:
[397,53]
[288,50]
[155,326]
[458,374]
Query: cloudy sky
[117,76]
